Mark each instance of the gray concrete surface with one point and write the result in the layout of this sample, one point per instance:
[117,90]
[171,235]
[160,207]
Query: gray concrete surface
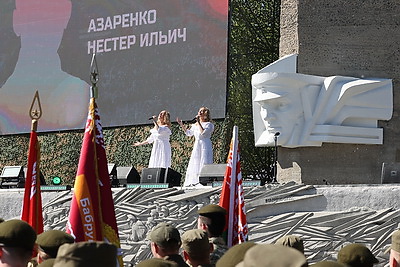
[350,38]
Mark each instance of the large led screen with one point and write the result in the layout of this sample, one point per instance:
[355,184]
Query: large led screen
[151,55]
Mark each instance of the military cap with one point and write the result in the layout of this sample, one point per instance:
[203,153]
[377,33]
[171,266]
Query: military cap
[51,240]
[234,255]
[396,241]
[83,254]
[356,255]
[156,262]
[47,263]
[271,255]
[163,233]
[327,264]
[195,242]
[212,208]
[17,233]
[292,241]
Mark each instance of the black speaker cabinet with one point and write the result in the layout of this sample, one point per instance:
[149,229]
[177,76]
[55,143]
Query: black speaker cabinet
[152,176]
[173,177]
[160,175]
[127,175]
[212,173]
[12,177]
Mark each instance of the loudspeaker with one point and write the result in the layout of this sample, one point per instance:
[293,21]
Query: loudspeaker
[152,176]
[112,172]
[42,180]
[390,173]
[173,177]
[160,175]
[127,175]
[12,177]
[212,173]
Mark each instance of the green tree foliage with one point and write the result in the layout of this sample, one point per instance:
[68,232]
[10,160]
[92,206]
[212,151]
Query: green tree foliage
[253,44]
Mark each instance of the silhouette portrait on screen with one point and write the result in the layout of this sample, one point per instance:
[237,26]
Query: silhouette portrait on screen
[64,98]
[10,43]
[308,110]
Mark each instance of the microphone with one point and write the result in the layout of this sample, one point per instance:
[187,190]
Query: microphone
[277,134]
[151,118]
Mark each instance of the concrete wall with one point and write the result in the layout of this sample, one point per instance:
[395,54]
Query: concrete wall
[353,38]
[324,216]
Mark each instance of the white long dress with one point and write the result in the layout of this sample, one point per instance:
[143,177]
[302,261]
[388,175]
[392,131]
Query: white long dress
[202,152]
[161,151]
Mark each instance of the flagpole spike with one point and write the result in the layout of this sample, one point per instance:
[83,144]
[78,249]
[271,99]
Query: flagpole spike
[35,112]
[94,77]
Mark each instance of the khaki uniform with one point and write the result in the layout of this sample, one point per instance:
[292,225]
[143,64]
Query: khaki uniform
[156,262]
[234,255]
[219,249]
[355,255]
[267,255]
[177,259]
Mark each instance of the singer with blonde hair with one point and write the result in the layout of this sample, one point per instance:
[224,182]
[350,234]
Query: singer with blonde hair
[202,152]
[159,136]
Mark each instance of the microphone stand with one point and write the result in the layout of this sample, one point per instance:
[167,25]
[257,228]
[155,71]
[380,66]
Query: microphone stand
[274,180]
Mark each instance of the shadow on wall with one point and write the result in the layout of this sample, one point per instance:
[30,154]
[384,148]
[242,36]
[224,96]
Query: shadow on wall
[332,164]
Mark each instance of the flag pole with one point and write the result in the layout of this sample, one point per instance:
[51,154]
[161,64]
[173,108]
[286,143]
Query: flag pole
[233,182]
[32,203]
[232,196]
[92,211]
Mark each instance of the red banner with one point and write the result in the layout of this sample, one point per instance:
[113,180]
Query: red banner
[232,196]
[32,205]
[92,214]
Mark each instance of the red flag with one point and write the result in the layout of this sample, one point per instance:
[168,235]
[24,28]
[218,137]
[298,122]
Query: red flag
[232,196]
[92,215]
[32,206]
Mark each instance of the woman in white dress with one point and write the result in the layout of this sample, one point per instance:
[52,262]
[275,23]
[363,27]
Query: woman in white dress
[202,149]
[159,136]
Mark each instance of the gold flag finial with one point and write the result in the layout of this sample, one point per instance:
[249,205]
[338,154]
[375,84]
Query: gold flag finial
[35,112]
[36,109]
[94,77]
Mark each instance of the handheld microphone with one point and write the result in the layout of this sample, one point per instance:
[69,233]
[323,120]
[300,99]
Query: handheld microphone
[151,118]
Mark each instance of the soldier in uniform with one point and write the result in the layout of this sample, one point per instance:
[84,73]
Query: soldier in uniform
[48,243]
[156,262]
[17,240]
[268,255]
[166,242]
[196,248]
[234,255]
[84,254]
[292,241]
[212,220]
[356,255]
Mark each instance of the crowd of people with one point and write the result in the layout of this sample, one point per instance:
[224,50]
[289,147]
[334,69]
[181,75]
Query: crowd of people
[200,247]
[202,152]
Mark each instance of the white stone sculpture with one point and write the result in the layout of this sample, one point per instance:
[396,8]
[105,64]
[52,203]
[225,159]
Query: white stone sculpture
[308,110]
